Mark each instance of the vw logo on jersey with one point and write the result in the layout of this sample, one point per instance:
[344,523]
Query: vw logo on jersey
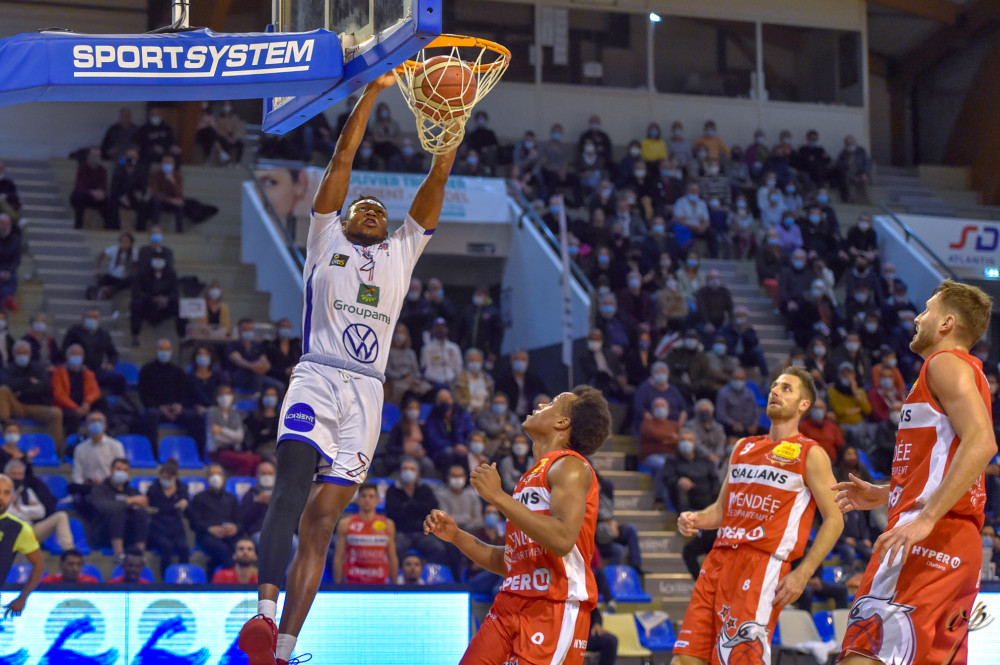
[361,343]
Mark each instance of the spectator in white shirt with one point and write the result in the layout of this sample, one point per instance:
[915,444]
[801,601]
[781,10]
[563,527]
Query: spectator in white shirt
[27,506]
[692,211]
[460,500]
[92,457]
[473,386]
[441,358]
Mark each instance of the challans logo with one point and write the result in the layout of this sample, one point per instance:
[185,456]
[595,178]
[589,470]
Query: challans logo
[300,418]
[785,452]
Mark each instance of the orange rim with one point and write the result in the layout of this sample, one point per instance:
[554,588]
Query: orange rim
[445,41]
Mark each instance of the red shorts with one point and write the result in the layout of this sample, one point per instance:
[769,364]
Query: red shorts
[910,613]
[530,631]
[730,617]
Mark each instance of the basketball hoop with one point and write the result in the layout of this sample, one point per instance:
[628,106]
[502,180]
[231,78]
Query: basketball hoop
[441,102]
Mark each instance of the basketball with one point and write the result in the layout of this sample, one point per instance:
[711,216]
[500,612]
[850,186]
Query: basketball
[444,87]
[865,634]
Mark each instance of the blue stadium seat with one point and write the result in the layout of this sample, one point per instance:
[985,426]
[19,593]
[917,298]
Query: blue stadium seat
[824,624]
[867,463]
[195,485]
[138,450]
[79,539]
[130,371]
[47,447]
[776,636]
[432,481]
[351,509]
[435,573]
[19,573]
[93,571]
[625,585]
[660,638]
[833,574]
[146,574]
[58,485]
[327,577]
[240,485]
[72,441]
[181,448]
[184,573]
[28,423]
[757,394]
[425,410]
[142,483]
[246,405]
[390,416]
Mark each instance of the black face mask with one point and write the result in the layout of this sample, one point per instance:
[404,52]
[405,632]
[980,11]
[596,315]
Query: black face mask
[18,484]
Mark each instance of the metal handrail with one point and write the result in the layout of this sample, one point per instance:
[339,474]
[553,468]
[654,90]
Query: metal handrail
[528,212]
[290,244]
[911,235]
[960,210]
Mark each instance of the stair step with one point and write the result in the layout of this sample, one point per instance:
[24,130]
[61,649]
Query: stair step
[633,499]
[628,480]
[663,562]
[653,542]
[620,443]
[608,461]
[646,520]
[669,585]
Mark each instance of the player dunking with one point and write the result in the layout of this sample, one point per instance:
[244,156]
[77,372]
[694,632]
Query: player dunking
[925,571]
[356,279]
[542,613]
[764,513]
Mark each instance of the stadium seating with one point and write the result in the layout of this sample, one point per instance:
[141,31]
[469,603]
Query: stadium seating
[867,463]
[240,485]
[47,455]
[246,405]
[142,483]
[184,573]
[625,585]
[58,485]
[19,573]
[146,574]
[824,624]
[194,485]
[130,371]
[797,626]
[138,450]
[72,441]
[435,573]
[181,448]
[840,621]
[390,416]
[660,637]
[833,574]
[623,627]
[425,410]
[93,571]
[79,539]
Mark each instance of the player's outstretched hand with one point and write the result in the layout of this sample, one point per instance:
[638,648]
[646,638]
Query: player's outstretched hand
[687,523]
[15,607]
[442,525]
[486,480]
[901,539]
[857,494]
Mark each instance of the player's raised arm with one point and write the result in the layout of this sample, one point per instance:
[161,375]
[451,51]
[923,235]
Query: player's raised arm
[819,479]
[333,188]
[426,206]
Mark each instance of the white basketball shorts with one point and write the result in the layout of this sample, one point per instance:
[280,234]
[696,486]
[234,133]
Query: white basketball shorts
[338,413]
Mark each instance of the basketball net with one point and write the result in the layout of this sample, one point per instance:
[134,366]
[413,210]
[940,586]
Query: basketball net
[442,135]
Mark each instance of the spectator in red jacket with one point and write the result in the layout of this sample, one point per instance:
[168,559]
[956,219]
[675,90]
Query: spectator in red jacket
[132,568]
[74,388]
[70,571]
[823,429]
[244,570]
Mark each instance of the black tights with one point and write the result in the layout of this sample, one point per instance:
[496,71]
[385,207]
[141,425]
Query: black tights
[294,479]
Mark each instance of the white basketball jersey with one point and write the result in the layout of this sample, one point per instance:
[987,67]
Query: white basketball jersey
[354,294]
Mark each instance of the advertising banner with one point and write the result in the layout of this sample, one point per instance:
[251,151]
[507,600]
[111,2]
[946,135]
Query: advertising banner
[971,245]
[200,627]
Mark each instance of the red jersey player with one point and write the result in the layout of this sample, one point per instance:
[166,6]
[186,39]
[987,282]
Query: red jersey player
[542,613]
[764,513]
[918,591]
[366,544]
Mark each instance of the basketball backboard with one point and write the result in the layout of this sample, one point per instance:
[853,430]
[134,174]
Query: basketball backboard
[377,36]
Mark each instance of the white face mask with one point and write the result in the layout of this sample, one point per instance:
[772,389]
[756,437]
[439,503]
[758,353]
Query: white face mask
[520,449]
[408,476]
[477,447]
[266,481]
[456,483]
[216,481]
[215,294]
[594,345]
[224,401]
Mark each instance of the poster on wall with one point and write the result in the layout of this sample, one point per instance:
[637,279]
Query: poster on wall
[967,246]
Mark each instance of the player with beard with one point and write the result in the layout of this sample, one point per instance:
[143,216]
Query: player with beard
[917,594]
[17,536]
[356,278]
[764,514]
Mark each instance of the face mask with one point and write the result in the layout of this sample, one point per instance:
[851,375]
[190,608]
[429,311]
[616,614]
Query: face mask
[408,476]
[269,401]
[690,344]
[491,520]
[871,327]
[644,344]
[215,481]
[556,136]
[203,361]
[709,132]
[844,383]
[773,198]
[738,385]
[90,324]
[635,151]
[247,335]
[713,170]
[413,296]
[413,414]
[822,198]
[798,363]
[771,183]
[816,415]
[634,283]
[693,198]
[156,238]
[224,401]
[740,320]
[864,226]
[703,416]
[817,294]
[891,362]
[814,219]
[714,203]
[158,264]
[155,120]
[167,483]
[658,230]
[607,311]
[474,367]
[603,260]
[520,366]
[719,349]
[987,541]
[671,284]
[819,351]
[594,345]
[11,438]
[692,263]
[790,189]
[500,409]
[167,168]
[852,346]
[595,126]
[660,412]
[75,361]
[456,483]
[798,264]
[640,174]
[119,477]
[266,481]
[573,250]
[886,383]
[788,221]
[894,417]
[22,360]
[685,447]
[473,160]
[661,378]
[776,242]
[39,327]
[163,356]
[215,294]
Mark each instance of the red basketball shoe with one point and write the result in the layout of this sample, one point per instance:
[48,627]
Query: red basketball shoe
[258,640]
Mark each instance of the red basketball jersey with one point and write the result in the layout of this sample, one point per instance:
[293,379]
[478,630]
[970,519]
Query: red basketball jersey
[925,445]
[768,505]
[367,558]
[532,570]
